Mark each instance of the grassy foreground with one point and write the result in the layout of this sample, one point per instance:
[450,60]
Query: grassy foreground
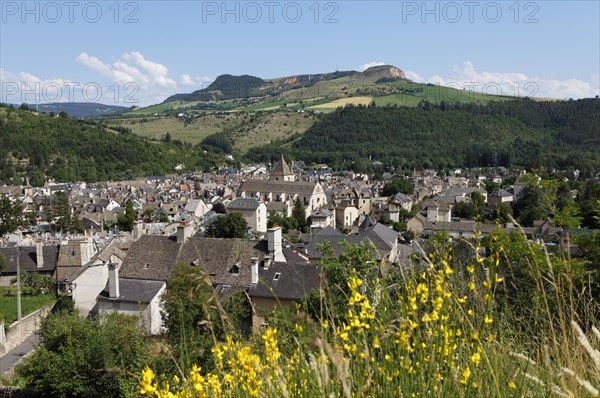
[438,330]
[29,304]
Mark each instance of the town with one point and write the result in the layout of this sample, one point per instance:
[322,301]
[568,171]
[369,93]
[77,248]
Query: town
[101,262]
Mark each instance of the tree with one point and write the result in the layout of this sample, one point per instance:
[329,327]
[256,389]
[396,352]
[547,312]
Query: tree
[125,220]
[530,206]
[11,216]
[37,282]
[568,216]
[85,357]
[491,187]
[192,316]
[503,213]
[299,214]
[59,214]
[160,215]
[286,223]
[232,225]
[147,215]
[76,224]
[397,185]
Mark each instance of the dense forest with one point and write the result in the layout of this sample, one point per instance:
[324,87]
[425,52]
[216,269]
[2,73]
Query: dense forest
[37,146]
[525,133]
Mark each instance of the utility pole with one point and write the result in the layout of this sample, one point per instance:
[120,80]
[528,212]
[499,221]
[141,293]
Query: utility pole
[18,283]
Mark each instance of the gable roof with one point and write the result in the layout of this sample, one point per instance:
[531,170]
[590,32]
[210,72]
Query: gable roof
[150,257]
[383,239]
[243,204]
[153,257]
[290,187]
[293,281]
[218,256]
[134,290]
[28,259]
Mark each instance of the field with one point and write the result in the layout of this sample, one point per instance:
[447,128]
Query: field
[261,130]
[341,103]
[194,132]
[29,304]
[247,129]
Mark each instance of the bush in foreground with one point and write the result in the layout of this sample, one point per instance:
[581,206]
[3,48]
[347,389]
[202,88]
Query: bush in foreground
[440,330]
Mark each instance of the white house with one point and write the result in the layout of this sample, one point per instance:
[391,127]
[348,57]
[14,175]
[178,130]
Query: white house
[253,211]
[197,208]
[135,297]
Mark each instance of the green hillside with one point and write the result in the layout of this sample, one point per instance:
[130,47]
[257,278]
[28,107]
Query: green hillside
[35,145]
[522,132]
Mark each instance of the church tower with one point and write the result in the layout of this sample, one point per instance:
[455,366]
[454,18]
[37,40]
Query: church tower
[282,172]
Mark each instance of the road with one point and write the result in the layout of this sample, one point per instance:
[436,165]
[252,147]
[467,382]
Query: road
[14,356]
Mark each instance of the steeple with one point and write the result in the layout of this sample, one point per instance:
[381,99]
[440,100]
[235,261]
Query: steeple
[281,171]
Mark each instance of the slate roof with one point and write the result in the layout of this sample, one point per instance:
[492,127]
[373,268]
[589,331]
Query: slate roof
[153,257]
[70,254]
[277,206]
[218,256]
[382,237]
[293,282]
[243,204]
[28,259]
[150,257]
[290,187]
[134,290]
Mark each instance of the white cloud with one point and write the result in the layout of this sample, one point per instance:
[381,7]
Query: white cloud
[364,67]
[151,78]
[414,76]
[26,87]
[512,83]
[94,63]
[187,80]
[132,79]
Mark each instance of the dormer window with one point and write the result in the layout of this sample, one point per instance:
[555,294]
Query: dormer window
[235,270]
[146,265]
[277,275]
[224,288]
[73,253]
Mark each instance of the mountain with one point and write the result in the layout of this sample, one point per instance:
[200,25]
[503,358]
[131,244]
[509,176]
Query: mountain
[224,87]
[250,112]
[78,109]
[385,72]
[227,87]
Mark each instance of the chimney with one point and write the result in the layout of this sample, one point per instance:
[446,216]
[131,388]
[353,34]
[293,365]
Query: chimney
[138,230]
[39,253]
[267,262]
[254,270]
[113,281]
[184,231]
[274,239]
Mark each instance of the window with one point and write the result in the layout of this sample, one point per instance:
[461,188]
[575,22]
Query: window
[277,275]
[235,270]
[224,288]
[73,253]
[146,265]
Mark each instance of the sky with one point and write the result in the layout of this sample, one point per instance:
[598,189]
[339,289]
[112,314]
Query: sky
[140,52]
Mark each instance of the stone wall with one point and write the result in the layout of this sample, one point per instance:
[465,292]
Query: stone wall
[18,332]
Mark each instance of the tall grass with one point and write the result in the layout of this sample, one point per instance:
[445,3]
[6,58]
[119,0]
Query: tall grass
[436,330]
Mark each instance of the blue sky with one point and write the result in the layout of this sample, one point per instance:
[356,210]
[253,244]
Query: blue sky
[146,50]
